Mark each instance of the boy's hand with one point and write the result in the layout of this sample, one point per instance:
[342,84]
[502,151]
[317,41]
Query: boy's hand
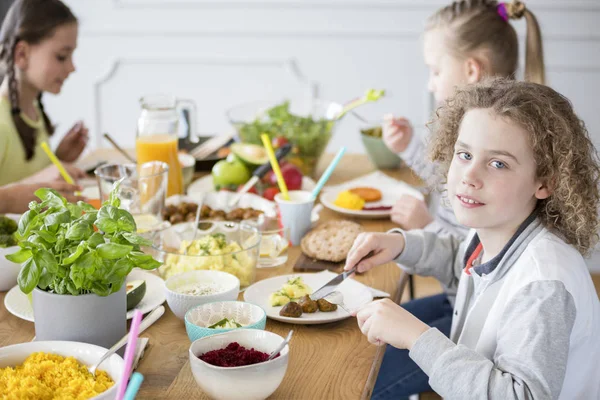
[383,321]
[385,248]
[397,133]
[73,143]
[411,213]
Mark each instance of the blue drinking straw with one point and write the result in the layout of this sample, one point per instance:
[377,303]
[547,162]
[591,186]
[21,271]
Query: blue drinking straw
[134,385]
[327,174]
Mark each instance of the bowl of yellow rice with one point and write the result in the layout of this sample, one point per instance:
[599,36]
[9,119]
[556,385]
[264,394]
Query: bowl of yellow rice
[57,370]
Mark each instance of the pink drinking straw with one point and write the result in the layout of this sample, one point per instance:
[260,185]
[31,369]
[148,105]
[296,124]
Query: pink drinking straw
[129,352]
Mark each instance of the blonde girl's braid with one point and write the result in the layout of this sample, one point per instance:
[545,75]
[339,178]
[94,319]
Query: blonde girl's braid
[476,27]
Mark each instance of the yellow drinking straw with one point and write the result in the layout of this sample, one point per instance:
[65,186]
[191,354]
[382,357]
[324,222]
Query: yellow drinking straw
[275,166]
[59,165]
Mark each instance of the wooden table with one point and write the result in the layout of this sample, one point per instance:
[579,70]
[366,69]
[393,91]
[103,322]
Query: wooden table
[326,361]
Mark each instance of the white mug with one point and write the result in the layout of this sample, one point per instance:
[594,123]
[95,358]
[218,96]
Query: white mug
[295,213]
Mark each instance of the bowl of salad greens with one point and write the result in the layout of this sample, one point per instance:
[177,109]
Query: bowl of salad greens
[307,125]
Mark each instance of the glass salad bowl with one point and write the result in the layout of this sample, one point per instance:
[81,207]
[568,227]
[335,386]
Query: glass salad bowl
[217,245]
[307,125]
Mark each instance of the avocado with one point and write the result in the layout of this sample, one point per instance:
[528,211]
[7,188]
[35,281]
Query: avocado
[252,155]
[135,293]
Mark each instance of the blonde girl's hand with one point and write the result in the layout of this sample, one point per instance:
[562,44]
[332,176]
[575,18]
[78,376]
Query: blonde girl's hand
[73,143]
[385,248]
[411,213]
[397,133]
[385,322]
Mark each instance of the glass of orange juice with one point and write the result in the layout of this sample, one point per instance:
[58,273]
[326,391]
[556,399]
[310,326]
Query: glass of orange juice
[157,134]
[142,191]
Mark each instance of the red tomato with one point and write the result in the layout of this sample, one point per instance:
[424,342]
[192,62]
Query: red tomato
[278,141]
[291,175]
[270,192]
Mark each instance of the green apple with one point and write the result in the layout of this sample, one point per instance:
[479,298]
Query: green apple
[230,172]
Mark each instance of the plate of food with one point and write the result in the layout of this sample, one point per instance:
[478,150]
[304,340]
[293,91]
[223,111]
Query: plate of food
[286,298]
[371,196]
[145,292]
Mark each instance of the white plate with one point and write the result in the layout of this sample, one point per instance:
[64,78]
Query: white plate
[355,295]
[205,184]
[17,303]
[391,191]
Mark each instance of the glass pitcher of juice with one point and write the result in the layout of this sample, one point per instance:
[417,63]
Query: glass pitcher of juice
[157,134]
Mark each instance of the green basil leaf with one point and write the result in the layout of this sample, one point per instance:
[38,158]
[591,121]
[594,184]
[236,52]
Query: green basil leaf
[45,280]
[75,255]
[55,219]
[87,208]
[47,236]
[79,231]
[122,268]
[24,222]
[77,276]
[29,276]
[101,289]
[75,210]
[86,262]
[149,264]
[127,220]
[109,212]
[144,261]
[136,239]
[112,251]
[46,260]
[72,288]
[90,217]
[61,287]
[20,256]
[95,240]
[107,225]
[126,225]
[50,198]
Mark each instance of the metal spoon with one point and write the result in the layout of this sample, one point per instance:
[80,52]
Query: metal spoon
[119,148]
[145,324]
[196,220]
[281,346]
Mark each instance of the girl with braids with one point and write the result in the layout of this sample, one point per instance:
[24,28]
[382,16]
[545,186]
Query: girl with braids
[37,41]
[521,171]
[463,43]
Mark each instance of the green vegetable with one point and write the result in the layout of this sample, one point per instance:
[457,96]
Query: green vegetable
[61,252]
[375,132]
[135,293]
[370,95]
[309,137]
[225,323]
[7,225]
[253,155]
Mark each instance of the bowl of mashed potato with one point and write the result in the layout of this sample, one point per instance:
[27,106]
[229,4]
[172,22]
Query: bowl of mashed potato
[215,245]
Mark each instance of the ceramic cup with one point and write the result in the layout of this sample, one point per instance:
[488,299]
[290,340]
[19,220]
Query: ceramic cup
[295,213]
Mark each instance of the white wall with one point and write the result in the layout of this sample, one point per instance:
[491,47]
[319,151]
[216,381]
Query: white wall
[222,53]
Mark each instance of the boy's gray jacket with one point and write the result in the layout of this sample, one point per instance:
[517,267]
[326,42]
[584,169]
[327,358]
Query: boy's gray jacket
[528,330]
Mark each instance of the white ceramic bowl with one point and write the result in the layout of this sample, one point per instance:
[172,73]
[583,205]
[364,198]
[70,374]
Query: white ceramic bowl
[251,382]
[85,353]
[9,271]
[181,303]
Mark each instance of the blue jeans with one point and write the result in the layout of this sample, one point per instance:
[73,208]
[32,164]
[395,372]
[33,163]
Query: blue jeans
[399,376]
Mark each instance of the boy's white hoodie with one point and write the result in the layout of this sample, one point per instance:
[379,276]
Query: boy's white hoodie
[526,324]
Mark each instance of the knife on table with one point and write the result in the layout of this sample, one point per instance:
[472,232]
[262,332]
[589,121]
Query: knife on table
[330,286]
[259,173]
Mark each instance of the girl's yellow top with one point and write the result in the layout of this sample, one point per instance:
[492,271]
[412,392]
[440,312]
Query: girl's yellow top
[13,165]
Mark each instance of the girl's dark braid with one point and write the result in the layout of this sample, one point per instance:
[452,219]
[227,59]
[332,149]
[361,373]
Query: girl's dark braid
[26,132]
[47,123]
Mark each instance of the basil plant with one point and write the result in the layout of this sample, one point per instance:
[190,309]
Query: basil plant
[74,249]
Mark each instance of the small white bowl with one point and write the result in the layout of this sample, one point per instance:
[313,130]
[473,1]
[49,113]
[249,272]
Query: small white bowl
[9,271]
[86,354]
[181,303]
[251,382]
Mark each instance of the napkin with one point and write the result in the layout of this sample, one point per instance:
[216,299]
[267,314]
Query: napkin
[328,275]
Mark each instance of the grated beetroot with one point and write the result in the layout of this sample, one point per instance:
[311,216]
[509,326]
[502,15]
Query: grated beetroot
[234,355]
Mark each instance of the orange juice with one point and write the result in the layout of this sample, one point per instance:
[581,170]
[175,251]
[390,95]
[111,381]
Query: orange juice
[162,147]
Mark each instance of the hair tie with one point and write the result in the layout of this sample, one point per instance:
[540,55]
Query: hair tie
[501,9]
